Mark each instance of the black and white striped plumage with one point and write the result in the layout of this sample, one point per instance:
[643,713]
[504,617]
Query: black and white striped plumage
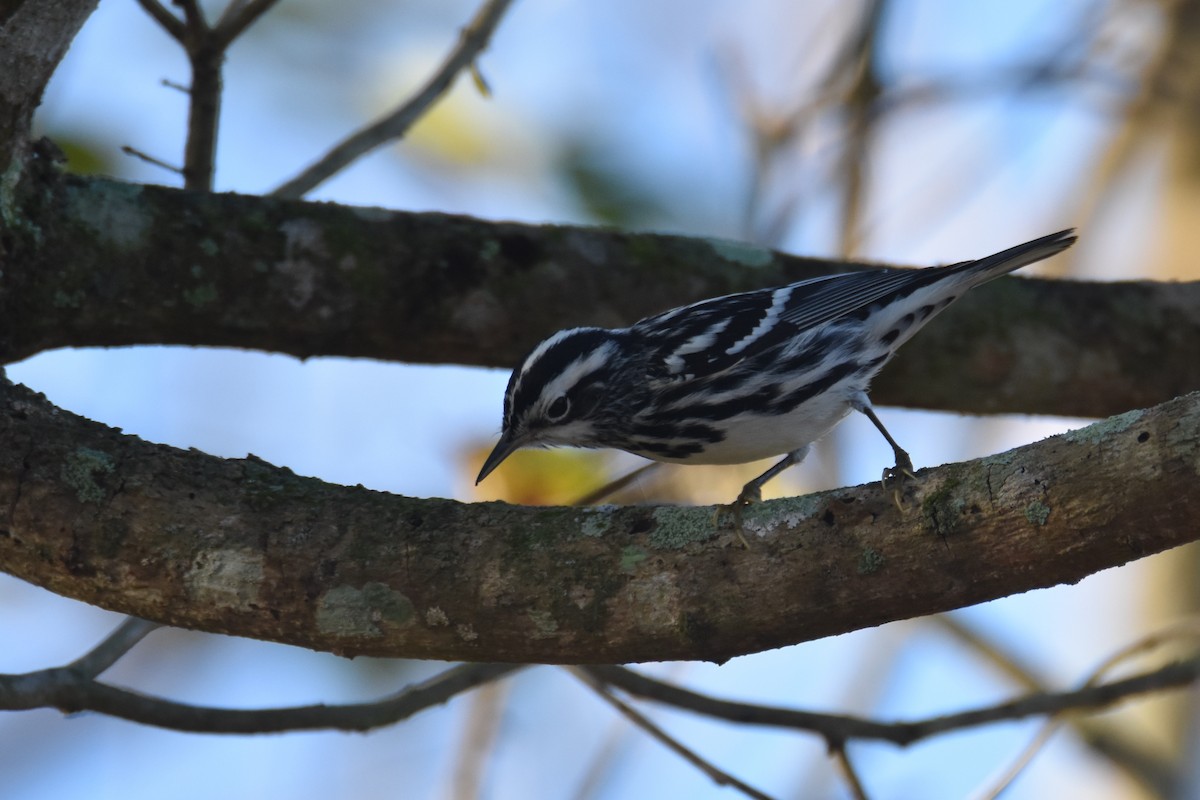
[740,377]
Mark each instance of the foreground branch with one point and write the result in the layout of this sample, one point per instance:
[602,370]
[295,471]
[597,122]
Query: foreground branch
[34,36]
[101,263]
[241,547]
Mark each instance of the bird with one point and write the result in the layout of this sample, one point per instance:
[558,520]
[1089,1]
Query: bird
[741,377]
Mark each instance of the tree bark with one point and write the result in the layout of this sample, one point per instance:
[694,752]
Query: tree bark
[244,548]
[34,36]
[102,263]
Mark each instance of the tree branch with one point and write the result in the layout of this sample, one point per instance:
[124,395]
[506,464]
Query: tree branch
[238,16]
[71,692]
[34,36]
[1129,752]
[117,644]
[472,41]
[715,773]
[102,263]
[205,47]
[837,729]
[241,547]
[174,26]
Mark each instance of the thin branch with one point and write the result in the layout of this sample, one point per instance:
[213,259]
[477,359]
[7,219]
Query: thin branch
[204,110]
[172,24]
[478,734]
[131,631]
[719,776]
[472,41]
[149,159]
[1141,763]
[68,691]
[1187,631]
[855,158]
[614,486]
[836,728]
[237,17]
[205,47]
[846,767]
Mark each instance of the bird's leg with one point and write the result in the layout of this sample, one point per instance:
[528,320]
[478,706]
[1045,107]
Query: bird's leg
[892,476]
[752,491]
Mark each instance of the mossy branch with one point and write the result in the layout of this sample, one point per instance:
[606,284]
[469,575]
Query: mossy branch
[103,263]
[241,547]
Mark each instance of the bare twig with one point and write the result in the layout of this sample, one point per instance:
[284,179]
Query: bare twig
[614,486]
[478,740]
[1141,763]
[854,161]
[66,690]
[1187,631]
[472,41]
[205,47]
[193,16]
[170,23]
[603,761]
[149,159]
[719,776]
[204,111]
[131,631]
[837,728]
[848,772]
[238,16]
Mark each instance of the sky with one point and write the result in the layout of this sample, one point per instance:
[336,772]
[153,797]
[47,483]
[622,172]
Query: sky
[655,95]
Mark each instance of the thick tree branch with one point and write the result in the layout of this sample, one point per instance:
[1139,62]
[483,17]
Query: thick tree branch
[34,36]
[242,547]
[101,263]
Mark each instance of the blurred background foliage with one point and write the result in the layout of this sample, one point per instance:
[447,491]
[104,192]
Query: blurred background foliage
[906,131]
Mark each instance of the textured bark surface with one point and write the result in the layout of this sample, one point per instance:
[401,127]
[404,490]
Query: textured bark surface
[98,262]
[245,548]
[34,36]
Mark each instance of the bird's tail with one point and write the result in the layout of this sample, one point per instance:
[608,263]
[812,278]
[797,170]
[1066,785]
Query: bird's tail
[985,269]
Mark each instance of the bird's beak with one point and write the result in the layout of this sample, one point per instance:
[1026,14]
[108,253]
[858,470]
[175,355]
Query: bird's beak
[503,449]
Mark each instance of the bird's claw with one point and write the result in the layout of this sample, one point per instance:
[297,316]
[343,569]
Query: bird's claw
[749,494]
[895,477]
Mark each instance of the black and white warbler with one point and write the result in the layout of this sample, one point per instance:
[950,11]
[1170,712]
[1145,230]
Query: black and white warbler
[741,377]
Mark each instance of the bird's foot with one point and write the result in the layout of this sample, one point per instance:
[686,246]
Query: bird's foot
[895,478]
[751,493]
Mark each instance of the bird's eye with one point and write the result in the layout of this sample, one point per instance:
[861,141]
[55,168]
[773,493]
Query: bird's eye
[558,409]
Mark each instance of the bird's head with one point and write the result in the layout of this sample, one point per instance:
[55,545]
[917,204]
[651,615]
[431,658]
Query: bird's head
[560,394]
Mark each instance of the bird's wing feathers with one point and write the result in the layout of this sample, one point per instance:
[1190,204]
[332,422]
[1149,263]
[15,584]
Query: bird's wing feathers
[711,336]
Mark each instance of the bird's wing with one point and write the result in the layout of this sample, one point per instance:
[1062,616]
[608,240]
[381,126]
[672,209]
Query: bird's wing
[711,336]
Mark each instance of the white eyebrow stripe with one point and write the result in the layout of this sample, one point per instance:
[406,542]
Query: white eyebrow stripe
[577,370]
[542,348]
